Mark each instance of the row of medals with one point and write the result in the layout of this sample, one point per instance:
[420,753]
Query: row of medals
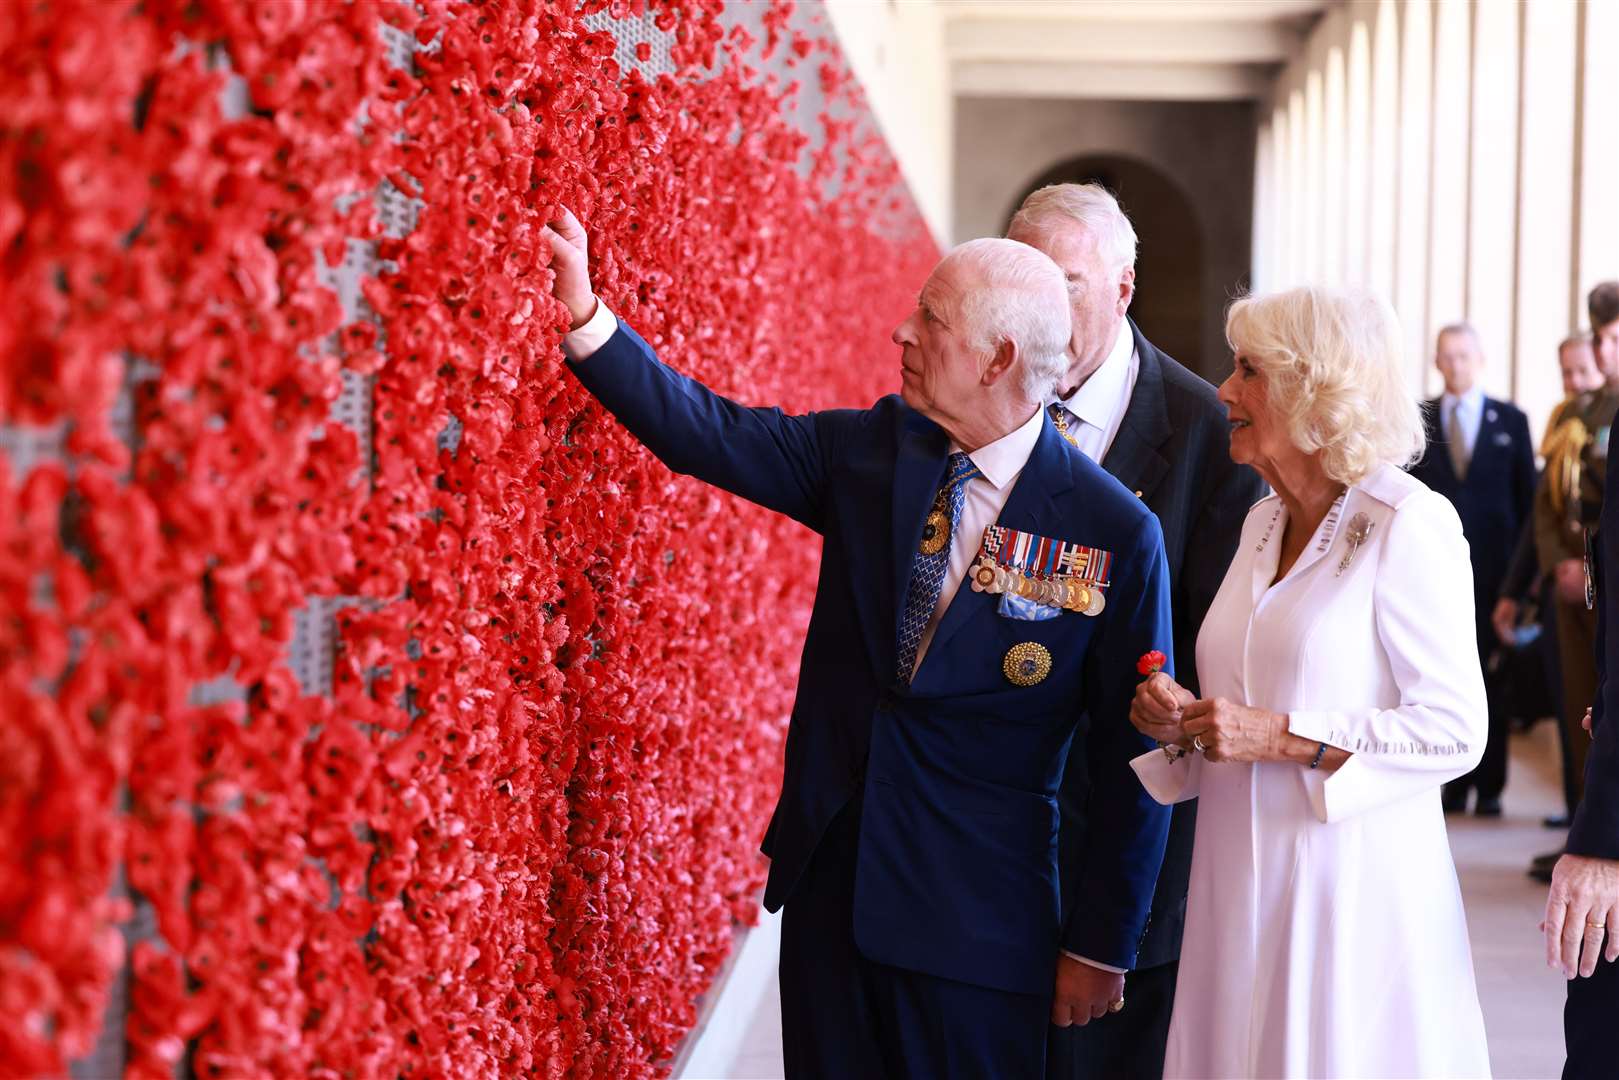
[1069,593]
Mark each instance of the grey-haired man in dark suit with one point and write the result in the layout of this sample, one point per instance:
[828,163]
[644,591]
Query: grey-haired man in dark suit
[1159,430]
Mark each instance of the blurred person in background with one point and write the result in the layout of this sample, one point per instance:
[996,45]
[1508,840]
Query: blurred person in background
[1481,457]
[1525,614]
[1568,502]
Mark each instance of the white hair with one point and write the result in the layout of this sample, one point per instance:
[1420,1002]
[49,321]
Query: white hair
[1334,376]
[1090,205]
[1017,294]
[1462,327]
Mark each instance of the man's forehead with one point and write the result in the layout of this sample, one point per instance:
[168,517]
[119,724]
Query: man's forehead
[945,281]
[1066,243]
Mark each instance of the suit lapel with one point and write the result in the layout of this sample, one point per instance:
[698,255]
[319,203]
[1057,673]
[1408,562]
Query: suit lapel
[1489,423]
[1031,507]
[1133,459]
[918,472]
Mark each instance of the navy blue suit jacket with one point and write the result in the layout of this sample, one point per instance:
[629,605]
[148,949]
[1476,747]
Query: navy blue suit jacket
[1595,831]
[1494,501]
[956,873]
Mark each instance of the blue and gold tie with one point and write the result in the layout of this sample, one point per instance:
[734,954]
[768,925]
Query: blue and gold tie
[932,560]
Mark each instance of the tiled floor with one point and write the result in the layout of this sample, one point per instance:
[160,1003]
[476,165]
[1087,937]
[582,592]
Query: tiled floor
[1523,1000]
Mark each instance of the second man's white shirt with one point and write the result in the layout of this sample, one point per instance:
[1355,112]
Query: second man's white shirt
[1102,400]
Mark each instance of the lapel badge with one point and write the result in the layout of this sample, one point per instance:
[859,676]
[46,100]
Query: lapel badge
[1027,663]
[1360,527]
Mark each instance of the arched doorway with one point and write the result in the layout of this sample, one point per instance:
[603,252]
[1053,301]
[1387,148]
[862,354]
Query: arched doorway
[1169,304]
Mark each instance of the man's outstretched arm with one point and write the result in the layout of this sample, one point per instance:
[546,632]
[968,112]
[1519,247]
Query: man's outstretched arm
[762,454]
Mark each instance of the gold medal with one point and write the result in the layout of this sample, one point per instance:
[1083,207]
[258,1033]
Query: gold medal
[1027,663]
[1079,596]
[984,577]
[1025,587]
[935,532]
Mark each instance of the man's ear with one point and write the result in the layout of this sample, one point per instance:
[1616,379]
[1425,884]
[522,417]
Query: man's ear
[1127,288]
[1000,362]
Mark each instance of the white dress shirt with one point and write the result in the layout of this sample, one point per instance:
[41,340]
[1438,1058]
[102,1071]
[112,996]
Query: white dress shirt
[580,343]
[999,465]
[1101,400]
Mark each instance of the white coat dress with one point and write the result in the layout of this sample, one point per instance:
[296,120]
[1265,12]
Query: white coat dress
[1325,935]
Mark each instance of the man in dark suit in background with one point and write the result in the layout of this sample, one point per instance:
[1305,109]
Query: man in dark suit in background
[1159,429]
[913,851]
[1479,456]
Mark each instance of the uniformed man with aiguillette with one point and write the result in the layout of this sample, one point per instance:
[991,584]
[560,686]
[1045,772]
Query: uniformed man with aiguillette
[1568,505]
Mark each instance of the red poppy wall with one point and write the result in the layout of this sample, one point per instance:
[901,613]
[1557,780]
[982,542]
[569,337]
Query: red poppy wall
[372,704]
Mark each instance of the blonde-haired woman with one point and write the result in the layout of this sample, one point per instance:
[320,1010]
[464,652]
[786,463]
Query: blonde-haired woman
[1324,931]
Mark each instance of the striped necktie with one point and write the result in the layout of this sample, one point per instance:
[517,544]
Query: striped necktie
[927,572]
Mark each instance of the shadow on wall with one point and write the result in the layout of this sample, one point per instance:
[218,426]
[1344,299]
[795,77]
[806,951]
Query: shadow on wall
[1169,260]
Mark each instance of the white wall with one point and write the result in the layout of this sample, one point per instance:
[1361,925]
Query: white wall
[897,51]
[1490,161]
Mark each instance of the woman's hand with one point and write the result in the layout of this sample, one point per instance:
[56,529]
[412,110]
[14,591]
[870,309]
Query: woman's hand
[1232,732]
[1156,710]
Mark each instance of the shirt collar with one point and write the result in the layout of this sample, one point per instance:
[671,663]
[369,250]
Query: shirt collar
[1470,402]
[1002,460]
[1098,396]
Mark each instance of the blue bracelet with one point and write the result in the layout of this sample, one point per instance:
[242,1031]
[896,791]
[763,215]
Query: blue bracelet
[1319,754]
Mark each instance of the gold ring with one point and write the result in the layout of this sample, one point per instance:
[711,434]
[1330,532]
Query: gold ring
[1115,1005]
[1596,926]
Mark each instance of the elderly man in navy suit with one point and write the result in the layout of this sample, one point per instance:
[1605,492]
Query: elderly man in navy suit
[914,847]
[1479,456]
[1160,430]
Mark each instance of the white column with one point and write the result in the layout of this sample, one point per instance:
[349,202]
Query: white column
[1492,211]
[1357,152]
[1298,204]
[1411,222]
[1264,198]
[1599,149]
[1545,299]
[1281,141]
[1314,176]
[1333,140]
[1447,222]
[1385,149]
